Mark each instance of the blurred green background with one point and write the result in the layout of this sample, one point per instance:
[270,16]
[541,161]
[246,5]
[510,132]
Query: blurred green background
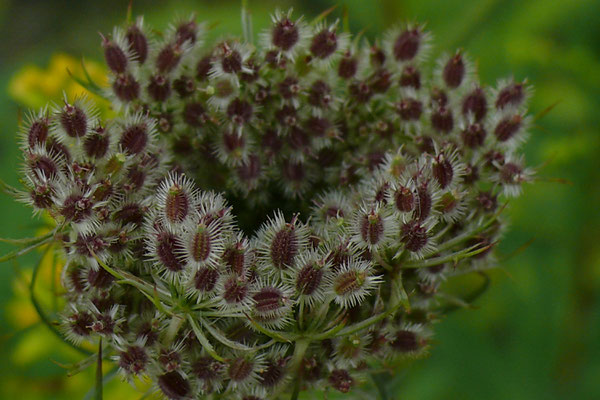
[535,333]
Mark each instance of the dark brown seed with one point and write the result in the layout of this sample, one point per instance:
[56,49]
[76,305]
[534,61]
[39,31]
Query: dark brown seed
[288,87]
[201,245]
[96,144]
[409,109]
[134,139]
[371,228]
[232,62]
[167,59]
[268,299]
[294,171]
[133,360]
[115,56]
[405,341]
[443,172]
[126,88]
[442,120]
[414,236]
[236,290]
[487,201]
[234,257]
[309,279]
[285,34]
[377,56]
[319,93]
[423,204]
[194,114]
[380,81]
[475,103]
[407,45]
[404,199]
[203,68]
[232,142]
[42,165]
[137,43]
[206,279]
[347,67]
[510,173]
[76,208]
[239,369]
[513,94]
[38,133]
[130,214]
[324,44]
[348,282]
[454,71]
[169,251]
[80,323]
[474,135]
[249,170]
[284,248]
[206,368]
[410,77]
[240,111]
[508,127]
[74,121]
[42,196]
[341,380]
[159,88]
[99,278]
[186,32]
[177,204]
[272,373]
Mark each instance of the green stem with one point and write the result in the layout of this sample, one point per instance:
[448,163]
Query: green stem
[296,364]
[34,245]
[173,328]
[381,380]
[43,317]
[455,257]
[99,382]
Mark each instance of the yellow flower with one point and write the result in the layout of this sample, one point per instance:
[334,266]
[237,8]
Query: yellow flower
[34,87]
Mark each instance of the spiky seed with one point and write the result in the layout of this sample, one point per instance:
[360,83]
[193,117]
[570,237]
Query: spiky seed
[134,138]
[414,236]
[284,247]
[371,228]
[74,121]
[133,360]
[268,299]
[443,172]
[177,207]
[475,104]
[169,251]
[405,341]
[37,133]
[341,380]
[173,385]
[239,369]
[407,44]
[508,127]
[137,43]
[206,279]
[454,71]
[324,43]
[235,290]
[309,279]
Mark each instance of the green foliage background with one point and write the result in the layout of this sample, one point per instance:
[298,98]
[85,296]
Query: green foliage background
[535,333]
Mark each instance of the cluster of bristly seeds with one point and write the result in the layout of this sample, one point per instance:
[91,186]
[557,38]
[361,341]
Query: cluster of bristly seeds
[338,184]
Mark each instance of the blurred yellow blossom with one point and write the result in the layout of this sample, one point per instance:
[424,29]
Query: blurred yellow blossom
[33,87]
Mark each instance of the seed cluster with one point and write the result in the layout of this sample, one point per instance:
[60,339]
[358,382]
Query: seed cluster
[378,176]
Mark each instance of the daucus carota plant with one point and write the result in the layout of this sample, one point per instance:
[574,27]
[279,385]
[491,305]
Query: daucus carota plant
[262,219]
